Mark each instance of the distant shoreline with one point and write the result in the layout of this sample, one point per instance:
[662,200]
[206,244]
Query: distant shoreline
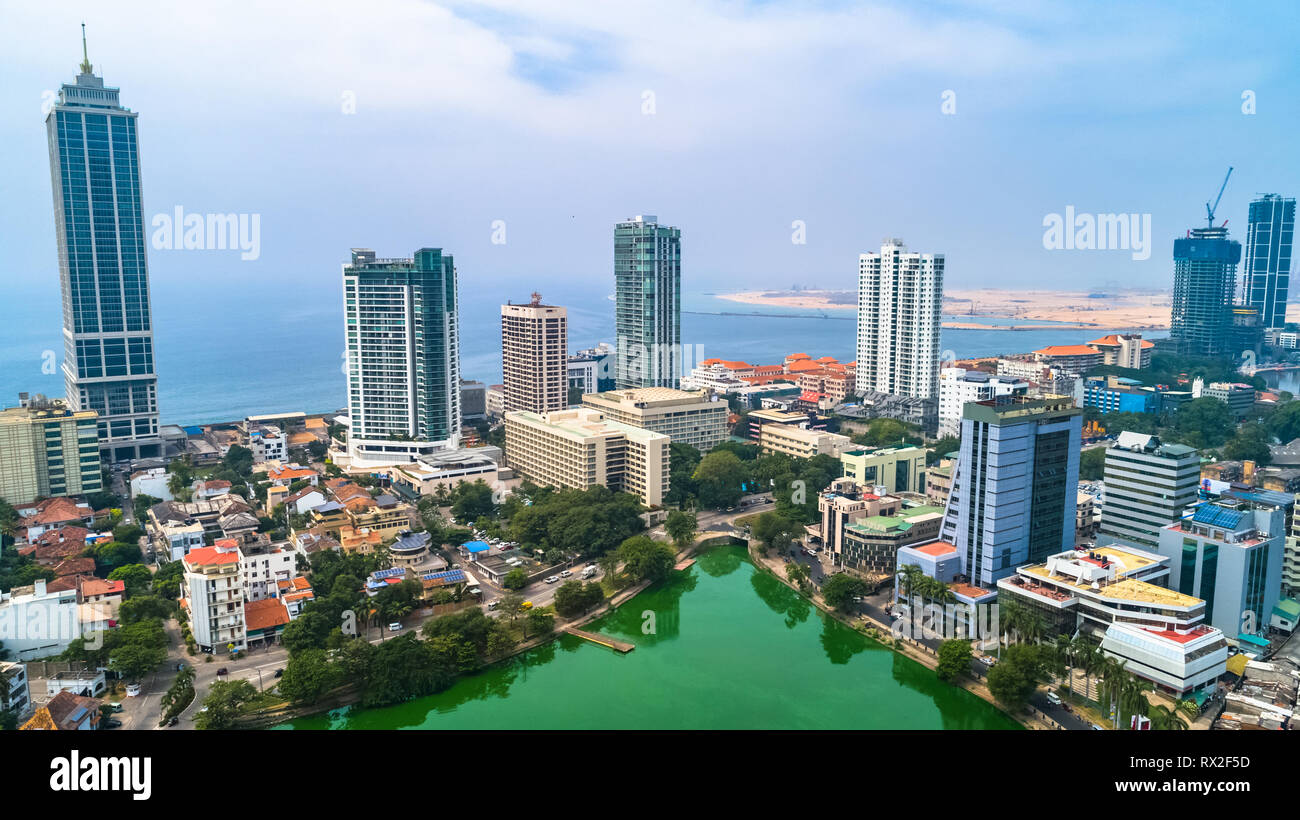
[1025,310]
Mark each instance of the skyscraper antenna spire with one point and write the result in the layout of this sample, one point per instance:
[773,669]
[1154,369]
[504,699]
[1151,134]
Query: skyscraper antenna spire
[86,67]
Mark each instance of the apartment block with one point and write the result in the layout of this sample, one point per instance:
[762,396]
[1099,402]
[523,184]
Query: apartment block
[48,449]
[213,593]
[534,356]
[686,417]
[900,299]
[581,448]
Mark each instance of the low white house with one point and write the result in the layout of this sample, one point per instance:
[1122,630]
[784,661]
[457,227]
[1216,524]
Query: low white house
[36,623]
[151,482]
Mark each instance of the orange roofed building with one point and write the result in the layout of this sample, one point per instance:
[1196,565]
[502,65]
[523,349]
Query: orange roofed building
[1073,360]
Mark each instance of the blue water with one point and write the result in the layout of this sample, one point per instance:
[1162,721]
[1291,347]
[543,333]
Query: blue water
[225,353]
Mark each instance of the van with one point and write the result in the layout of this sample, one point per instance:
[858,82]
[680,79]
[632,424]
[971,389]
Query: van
[588,572]
[394,627]
[1053,698]
[527,605]
[493,604]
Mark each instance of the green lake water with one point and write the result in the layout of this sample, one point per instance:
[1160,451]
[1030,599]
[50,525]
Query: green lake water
[719,646]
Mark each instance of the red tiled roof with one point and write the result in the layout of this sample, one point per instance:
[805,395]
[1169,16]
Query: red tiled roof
[75,566]
[98,586]
[264,614]
[1067,350]
[202,556]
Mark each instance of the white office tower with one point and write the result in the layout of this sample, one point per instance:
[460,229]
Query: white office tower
[900,298]
[958,386]
[1148,485]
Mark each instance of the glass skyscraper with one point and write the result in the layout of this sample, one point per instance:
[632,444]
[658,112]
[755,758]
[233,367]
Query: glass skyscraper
[1205,270]
[108,362]
[403,355]
[648,303]
[1270,230]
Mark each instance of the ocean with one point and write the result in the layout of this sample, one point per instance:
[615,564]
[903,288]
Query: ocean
[226,353]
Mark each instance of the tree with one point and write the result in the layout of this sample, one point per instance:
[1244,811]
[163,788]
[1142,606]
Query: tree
[239,460]
[166,581]
[308,676]
[941,448]
[1251,443]
[840,590]
[1015,677]
[224,703]
[515,579]
[128,533]
[134,661]
[681,527]
[113,554]
[775,530]
[574,598]
[135,577]
[473,501]
[645,559]
[145,607]
[1092,463]
[1204,422]
[954,659]
[720,476]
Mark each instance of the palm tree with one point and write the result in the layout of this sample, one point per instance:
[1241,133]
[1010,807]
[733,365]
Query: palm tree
[1163,718]
[911,577]
[1090,659]
[1065,657]
[1112,686]
[1133,696]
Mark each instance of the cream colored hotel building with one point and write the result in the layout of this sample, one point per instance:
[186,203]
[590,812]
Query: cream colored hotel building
[581,448]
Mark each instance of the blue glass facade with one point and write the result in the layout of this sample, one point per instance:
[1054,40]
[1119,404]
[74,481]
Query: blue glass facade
[1270,232]
[108,361]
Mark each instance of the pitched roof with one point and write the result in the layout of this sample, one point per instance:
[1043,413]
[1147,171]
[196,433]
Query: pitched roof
[68,711]
[267,613]
[75,566]
[98,586]
[1066,350]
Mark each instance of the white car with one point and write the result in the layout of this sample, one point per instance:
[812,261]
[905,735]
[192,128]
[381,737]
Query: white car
[566,573]
[1053,698]
[552,579]
[811,551]
[988,660]
[394,627]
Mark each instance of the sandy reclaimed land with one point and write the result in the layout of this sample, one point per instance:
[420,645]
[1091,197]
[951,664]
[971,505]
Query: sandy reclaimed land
[1128,309]
[1136,309]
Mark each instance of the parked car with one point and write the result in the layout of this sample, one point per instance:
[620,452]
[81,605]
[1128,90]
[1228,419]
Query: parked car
[493,604]
[811,551]
[988,660]
[552,579]
[279,673]
[223,671]
[111,724]
[527,605]
[1053,698]
[394,627]
[115,707]
[173,721]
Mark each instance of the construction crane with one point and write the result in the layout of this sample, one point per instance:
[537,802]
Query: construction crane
[1210,209]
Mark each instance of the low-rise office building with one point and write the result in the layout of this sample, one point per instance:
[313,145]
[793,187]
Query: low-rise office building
[1115,593]
[1148,485]
[1229,552]
[898,469]
[686,417]
[801,442]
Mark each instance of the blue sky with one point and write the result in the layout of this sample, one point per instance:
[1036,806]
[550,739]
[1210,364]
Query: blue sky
[764,113]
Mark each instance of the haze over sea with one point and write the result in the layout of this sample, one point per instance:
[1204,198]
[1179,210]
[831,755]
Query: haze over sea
[226,353]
